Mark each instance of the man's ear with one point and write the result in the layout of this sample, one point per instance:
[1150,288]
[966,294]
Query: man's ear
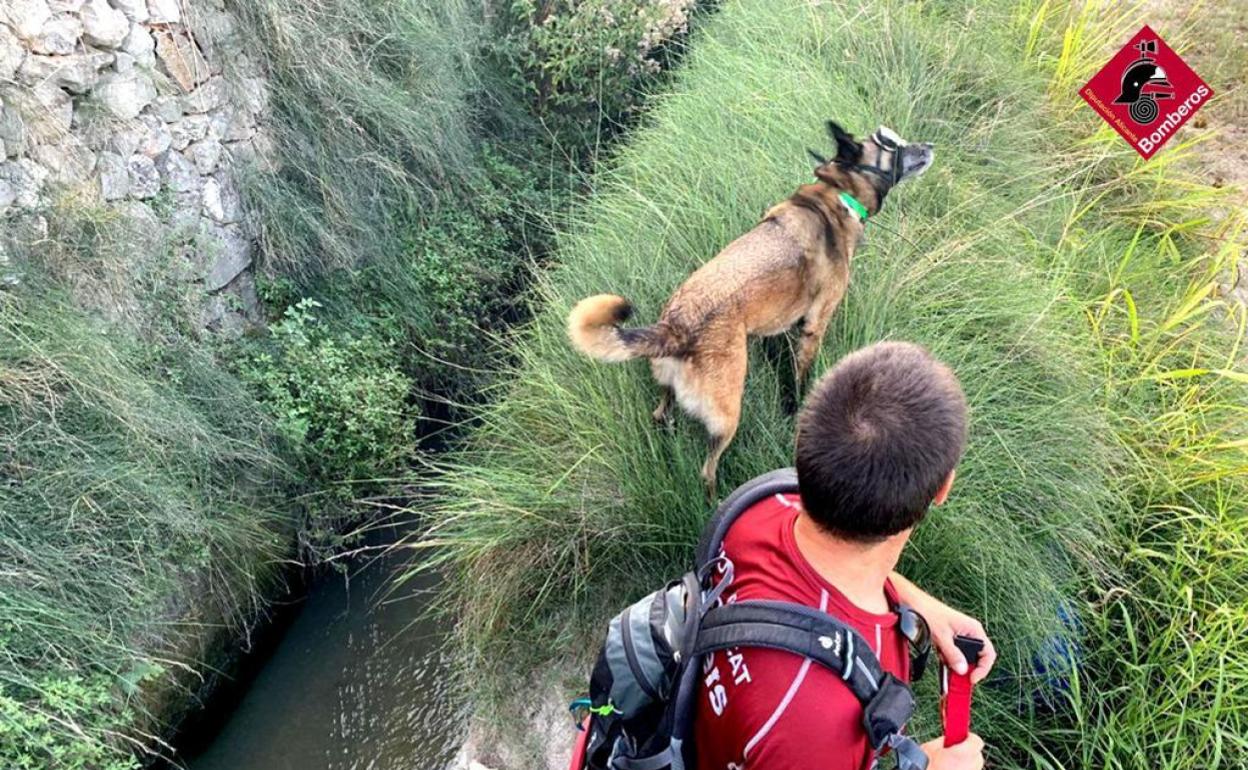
[847,150]
[942,494]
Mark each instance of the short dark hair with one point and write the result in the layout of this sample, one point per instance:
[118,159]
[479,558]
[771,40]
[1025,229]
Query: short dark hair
[876,438]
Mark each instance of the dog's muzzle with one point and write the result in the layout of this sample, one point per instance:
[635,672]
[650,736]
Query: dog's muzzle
[905,159]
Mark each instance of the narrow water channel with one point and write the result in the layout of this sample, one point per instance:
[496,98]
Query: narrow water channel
[358,681]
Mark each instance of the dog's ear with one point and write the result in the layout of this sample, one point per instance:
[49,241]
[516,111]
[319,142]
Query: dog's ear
[847,150]
[822,161]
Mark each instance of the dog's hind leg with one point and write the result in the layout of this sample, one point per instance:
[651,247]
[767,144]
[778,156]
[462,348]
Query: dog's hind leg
[662,413]
[780,351]
[720,378]
[814,326]
[664,371]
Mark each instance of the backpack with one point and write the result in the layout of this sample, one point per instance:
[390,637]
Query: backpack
[644,682]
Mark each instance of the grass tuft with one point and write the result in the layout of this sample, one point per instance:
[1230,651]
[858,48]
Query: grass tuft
[131,473]
[374,123]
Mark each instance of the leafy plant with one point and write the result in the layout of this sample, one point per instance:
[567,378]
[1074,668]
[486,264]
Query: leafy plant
[36,729]
[339,398]
[586,64]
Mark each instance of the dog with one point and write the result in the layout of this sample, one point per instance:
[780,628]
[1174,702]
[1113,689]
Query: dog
[793,265]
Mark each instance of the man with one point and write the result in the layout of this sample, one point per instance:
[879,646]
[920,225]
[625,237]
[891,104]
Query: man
[877,443]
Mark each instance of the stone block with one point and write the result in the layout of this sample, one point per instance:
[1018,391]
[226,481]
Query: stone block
[180,56]
[8,195]
[69,162]
[27,17]
[135,10]
[12,131]
[26,177]
[164,11]
[222,202]
[77,73]
[113,176]
[11,53]
[205,155]
[104,25]
[125,94]
[58,37]
[209,96]
[123,141]
[191,128]
[253,94]
[176,172]
[167,109]
[144,178]
[34,114]
[231,255]
[233,124]
[154,137]
[140,44]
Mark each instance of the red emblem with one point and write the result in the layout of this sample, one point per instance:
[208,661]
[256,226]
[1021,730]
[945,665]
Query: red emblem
[1146,92]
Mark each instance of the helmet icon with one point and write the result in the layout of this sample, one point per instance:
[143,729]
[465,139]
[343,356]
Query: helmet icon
[1143,83]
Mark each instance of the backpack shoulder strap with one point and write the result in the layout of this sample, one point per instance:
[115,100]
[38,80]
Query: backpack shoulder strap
[887,703]
[798,629]
[742,498]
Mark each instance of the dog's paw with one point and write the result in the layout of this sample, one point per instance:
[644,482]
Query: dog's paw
[789,402]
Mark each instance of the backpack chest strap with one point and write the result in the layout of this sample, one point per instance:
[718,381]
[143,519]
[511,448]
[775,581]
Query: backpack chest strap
[798,629]
[887,703]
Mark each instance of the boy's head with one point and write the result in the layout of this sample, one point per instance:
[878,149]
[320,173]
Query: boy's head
[877,439]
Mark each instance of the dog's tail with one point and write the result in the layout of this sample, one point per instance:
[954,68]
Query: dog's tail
[594,328]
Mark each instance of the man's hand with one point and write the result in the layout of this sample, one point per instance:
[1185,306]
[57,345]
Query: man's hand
[945,623]
[967,755]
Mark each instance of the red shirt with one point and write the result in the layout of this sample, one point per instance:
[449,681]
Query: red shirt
[769,709]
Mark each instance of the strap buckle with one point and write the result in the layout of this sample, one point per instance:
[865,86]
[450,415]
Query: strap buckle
[909,754]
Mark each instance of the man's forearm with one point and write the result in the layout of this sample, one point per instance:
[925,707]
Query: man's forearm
[945,624]
[908,592]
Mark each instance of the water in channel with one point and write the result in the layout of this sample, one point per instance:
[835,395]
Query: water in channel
[355,683]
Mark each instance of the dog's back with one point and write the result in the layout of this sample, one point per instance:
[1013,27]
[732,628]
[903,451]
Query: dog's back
[762,280]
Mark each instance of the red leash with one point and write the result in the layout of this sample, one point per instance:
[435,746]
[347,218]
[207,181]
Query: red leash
[955,697]
[582,744]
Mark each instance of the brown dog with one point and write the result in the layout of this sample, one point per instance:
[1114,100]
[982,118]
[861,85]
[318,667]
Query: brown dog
[794,265]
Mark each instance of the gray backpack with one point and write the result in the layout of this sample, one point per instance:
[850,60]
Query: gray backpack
[642,689]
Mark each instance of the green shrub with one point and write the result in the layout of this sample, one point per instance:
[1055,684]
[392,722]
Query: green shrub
[451,284]
[35,726]
[586,64]
[338,398]
[409,187]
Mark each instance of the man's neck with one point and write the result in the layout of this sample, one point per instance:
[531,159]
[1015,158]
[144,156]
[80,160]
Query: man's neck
[858,570]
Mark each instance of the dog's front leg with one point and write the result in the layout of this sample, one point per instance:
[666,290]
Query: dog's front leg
[814,326]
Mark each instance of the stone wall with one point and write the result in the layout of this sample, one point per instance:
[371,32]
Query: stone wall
[147,108]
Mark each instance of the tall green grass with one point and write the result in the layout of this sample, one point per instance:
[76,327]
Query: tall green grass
[372,122]
[142,498]
[1102,481]
[410,187]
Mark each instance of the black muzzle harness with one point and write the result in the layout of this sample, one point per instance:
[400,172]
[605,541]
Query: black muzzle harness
[889,176]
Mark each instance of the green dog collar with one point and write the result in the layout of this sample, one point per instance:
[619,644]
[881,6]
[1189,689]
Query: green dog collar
[853,205]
